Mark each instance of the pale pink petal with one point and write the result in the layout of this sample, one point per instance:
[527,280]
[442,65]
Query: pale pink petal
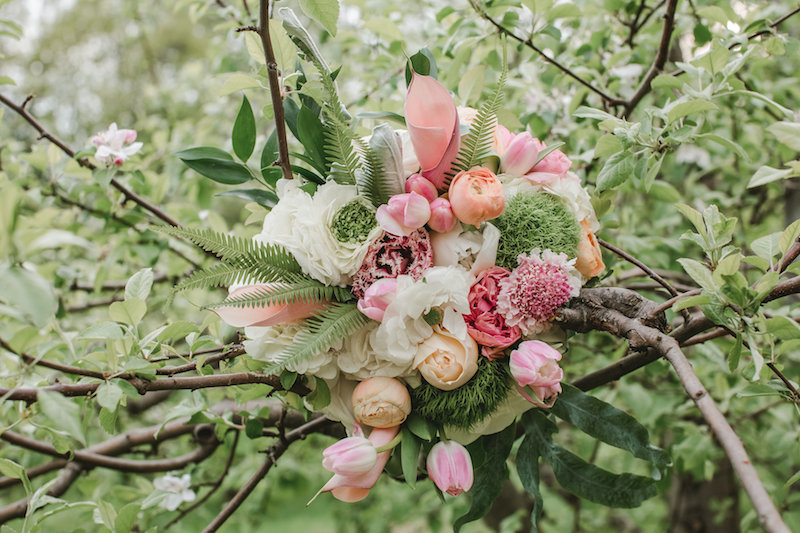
[389,223]
[417,211]
[438,174]
[355,488]
[264,315]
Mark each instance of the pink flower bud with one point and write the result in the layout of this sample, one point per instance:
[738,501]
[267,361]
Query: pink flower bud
[377,298]
[520,155]
[421,185]
[442,217]
[349,457]
[476,195]
[404,213]
[450,467]
[534,365]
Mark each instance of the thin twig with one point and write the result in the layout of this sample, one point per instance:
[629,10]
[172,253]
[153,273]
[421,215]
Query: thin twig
[646,269]
[216,485]
[658,62]
[273,453]
[274,89]
[94,304]
[529,43]
[67,369]
[127,193]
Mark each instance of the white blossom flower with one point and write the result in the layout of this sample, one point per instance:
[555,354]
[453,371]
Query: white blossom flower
[403,328]
[114,146]
[177,488]
[358,359]
[267,343]
[302,224]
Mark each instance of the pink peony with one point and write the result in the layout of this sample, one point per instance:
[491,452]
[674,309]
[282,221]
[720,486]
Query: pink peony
[536,289]
[392,255]
[484,323]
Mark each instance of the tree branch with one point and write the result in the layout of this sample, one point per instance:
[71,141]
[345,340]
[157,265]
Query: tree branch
[658,62]
[274,89]
[127,193]
[529,43]
[273,453]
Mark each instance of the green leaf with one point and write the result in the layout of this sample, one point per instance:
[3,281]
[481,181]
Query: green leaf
[262,197]
[5,80]
[618,168]
[694,217]
[767,174]
[665,81]
[702,34]
[489,454]
[243,135]
[102,331]
[215,164]
[11,469]
[471,84]
[608,424]
[269,154]
[787,133]
[64,414]
[176,331]
[726,143]
[128,312]
[420,427]
[538,429]
[326,12]
[607,145]
[28,292]
[109,395]
[691,301]
[789,236]
[736,354]
[254,428]
[597,485]
[126,517]
[698,272]
[783,328]
[288,379]
[382,175]
[687,108]
[320,397]
[767,246]
[139,285]
[409,456]
[312,136]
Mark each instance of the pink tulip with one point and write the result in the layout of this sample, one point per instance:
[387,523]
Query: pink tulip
[377,298]
[534,365]
[421,185]
[432,121]
[442,217]
[353,488]
[476,195]
[264,315]
[450,467]
[404,213]
[351,456]
[520,155]
[552,168]
[502,138]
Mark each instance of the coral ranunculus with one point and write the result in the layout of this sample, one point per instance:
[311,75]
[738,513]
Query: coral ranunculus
[476,195]
[590,259]
[484,323]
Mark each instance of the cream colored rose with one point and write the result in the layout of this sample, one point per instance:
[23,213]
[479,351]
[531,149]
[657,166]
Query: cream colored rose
[381,402]
[445,361]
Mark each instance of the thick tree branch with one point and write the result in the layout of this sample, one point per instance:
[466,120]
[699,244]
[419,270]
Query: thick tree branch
[273,453]
[274,89]
[587,315]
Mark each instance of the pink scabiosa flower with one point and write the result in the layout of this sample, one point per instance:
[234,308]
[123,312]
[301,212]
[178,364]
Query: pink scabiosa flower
[450,467]
[350,456]
[484,323]
[534,366]
[536,289]
[393,255]
[114,146]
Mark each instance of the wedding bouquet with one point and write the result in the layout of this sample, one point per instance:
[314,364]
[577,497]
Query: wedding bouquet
[412,286]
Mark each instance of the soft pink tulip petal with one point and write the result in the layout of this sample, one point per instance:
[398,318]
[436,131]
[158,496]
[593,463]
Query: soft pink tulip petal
[421,185]
[417,211]
[450,467]
[432,121]
[442,217]
[264,315]
[389,223]
[356,487]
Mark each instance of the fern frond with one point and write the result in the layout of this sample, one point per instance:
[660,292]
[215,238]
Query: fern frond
[306,290]
[477,144]
[211,241]
[220,275]
[369,176]
[339,150]
[323,330]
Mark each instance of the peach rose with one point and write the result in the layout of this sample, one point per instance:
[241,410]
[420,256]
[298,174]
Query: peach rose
[381,402]
[447,362]
[476,195]
[590,260]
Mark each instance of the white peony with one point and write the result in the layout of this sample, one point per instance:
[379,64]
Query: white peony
[357,359]
[301,224]
[464,245]
[576,199]
[267,343]
[403,327]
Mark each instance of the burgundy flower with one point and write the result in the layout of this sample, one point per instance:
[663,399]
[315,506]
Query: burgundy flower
[484,323]
[394,255]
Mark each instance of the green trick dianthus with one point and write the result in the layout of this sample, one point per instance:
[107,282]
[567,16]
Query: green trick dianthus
[353,222]
[535,220]
[470,403]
